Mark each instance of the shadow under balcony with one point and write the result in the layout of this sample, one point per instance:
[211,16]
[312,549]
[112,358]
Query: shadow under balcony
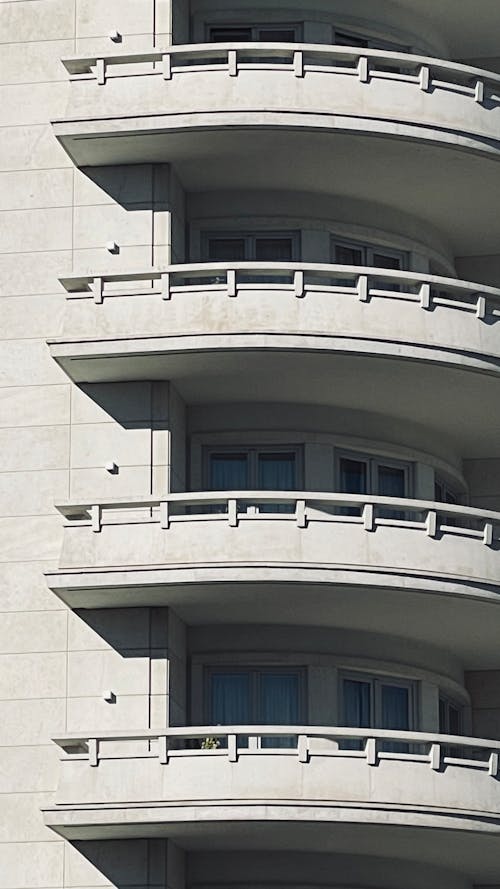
[410,568]
[214,787]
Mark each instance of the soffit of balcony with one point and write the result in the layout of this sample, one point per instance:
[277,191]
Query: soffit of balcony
[433,154]
[449,394]
[456,617]
[472,848]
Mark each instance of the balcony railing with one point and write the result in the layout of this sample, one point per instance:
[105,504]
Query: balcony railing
[233,507]
[426,73]
[298,278]
[235,741]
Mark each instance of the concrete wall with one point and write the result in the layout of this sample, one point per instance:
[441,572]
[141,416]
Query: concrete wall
[54,439]
[484,689]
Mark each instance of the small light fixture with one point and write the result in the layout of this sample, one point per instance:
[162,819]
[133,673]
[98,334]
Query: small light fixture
[112,247]
[115,36]
[111,467]
[109,696]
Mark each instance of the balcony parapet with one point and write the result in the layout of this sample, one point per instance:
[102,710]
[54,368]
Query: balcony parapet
[363,282]
[132,319]
[179,776]
[233,507]
[223,86]
[425,72]
[155,546]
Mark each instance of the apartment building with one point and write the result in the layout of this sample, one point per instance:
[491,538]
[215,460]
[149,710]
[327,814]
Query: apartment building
[250,478]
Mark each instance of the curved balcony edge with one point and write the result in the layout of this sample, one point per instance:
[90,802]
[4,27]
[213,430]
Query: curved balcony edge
[109,101]
[183,310]
[121,783]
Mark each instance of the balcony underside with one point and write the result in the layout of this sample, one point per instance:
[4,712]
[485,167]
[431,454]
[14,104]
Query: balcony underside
[323,801]
[447,614]
[342,372]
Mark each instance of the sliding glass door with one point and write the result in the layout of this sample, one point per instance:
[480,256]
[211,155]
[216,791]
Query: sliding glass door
[255,696]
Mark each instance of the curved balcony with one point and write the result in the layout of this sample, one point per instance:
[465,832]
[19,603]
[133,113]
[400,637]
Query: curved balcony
[220,556]
[242,85]
[182,782]
[152,107]
[206,307]
[222,332]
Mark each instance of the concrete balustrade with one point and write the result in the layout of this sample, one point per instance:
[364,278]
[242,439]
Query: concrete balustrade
[183,309]
[327,538]
[426,72]
[122,780]
[280,85]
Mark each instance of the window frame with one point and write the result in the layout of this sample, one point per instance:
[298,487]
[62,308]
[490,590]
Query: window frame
[250,237]
[370,41]
[376,681]
[255,671]
[373,462]
[368,250]
[254,29]
[253,451]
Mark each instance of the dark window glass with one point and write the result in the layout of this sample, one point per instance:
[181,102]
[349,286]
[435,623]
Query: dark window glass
[230,35]
[277,35]
[228,472]
[273,249]
[226,249]
[348,255]
[342,39]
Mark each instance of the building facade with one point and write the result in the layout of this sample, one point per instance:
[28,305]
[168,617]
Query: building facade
[250,480]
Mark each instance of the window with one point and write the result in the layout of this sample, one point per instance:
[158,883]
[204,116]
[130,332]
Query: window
[251,246]
[349,38]
[352,253]
[385,703]
[257,469]
[280,33]
[359,474]
[450,717]
[443,493]
[450,723]
[256,696]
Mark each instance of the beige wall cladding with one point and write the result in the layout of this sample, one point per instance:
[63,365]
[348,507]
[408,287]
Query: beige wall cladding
[25,147]
[32,405]
[28,676]
[40,20]
[35,864]
[31,722]
[23,588]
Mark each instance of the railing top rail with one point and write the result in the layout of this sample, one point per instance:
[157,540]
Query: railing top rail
[83,64]
[80,282]
[69,509]
[333,732]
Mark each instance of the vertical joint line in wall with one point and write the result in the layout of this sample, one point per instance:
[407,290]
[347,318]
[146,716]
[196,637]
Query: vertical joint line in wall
[153,211]
[150,640]
[152,434]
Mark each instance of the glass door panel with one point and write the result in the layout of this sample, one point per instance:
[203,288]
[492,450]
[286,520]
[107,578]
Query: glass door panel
[276,472]
[386,261]
[390,482]
[353,480]
[229,472]
[226,249]
[394,710]
[357,708]
[231,701]
[278,704]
